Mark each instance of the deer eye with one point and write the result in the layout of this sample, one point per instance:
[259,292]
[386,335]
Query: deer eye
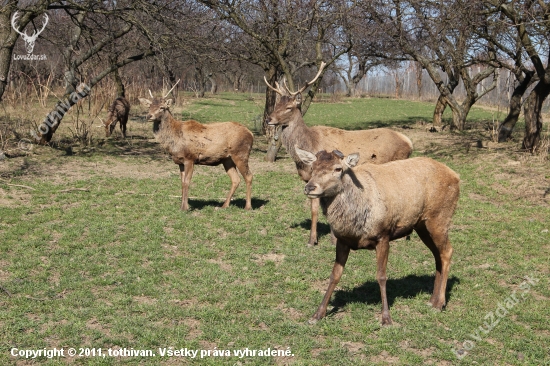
[338,170]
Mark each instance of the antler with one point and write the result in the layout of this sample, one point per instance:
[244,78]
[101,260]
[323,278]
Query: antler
[278,90]
[13,19]
[151,94]
[24,34]
[44,23]
[323,64]
[172,88]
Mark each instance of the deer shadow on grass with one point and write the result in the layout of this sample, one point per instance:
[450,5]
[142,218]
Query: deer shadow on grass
[322,228]
[198,204]
[405,287]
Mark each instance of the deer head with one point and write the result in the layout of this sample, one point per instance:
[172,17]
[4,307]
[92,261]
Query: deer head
[327,171]
[157,106]
[29,40]
[290,103]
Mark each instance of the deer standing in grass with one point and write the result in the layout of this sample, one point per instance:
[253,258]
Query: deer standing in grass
[371,205]
[118,112]
[378,145]
[190,143]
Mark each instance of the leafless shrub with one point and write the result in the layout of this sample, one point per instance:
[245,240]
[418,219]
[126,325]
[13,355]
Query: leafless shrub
[494,130]
[82,129]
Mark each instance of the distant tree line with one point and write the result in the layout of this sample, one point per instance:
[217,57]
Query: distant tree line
[463,46]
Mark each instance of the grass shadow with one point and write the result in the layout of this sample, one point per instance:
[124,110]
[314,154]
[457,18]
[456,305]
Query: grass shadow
[239,202]
[406,287]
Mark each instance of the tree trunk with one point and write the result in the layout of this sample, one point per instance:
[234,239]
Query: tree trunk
[440,107]
[120,91]
[214,87]
[418,69]
[272,134]
[533,115]
[199,79]
[398,85]
[507,126]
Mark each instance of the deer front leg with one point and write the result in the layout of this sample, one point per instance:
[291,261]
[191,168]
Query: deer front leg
[186,172]
[315,202]
[333,238]
[382,252]
[342,253]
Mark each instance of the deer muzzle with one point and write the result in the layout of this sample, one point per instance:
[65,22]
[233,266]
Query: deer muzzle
[310,188]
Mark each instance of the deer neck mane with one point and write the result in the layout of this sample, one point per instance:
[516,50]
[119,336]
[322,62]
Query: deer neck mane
[166,131]
[349,212]
[298,133]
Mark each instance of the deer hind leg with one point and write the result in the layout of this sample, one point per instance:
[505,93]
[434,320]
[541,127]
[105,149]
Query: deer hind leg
[242,165]
[342,253]
[315,203]
[186,172]
[111,128]
[123,122]
[382,252]
[435,236]
[229,166]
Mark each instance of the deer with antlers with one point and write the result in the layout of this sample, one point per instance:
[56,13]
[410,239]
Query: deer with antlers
[29,40]
[379,145]
[190,142]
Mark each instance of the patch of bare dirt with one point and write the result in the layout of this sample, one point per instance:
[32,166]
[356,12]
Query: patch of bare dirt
[94,324]
[223,265]
[14,196]
[270,257]
[384,358]
[290,312]
[145,300]
[353,347]
[194,328]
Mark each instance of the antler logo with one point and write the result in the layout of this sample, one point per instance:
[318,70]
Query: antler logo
[29,40]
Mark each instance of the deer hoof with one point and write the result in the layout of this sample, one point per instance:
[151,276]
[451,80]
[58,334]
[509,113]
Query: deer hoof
[312,321]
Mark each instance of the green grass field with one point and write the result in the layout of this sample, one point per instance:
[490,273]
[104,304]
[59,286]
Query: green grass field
[95,254]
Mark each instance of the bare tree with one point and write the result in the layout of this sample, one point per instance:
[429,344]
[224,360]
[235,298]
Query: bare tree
[93,30]
[529,21]
[9,35]
[437,35]
[283,38]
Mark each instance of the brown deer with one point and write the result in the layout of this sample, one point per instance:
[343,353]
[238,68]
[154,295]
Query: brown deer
[190,143]
[118,112]
[371,205]
[379,145]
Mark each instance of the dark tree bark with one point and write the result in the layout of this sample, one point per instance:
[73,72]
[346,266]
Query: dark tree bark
[120,90]
[507,126]
[418,69]
[440,107]
[533,115]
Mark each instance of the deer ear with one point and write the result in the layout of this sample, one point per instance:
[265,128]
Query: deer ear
[145,102]
[305,156]
[351,160]
[168,102]
[298,99]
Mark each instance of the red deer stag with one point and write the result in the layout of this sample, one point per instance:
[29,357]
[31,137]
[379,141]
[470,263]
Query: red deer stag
[118,112]
[371,205]
[379,145]
[190,143]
